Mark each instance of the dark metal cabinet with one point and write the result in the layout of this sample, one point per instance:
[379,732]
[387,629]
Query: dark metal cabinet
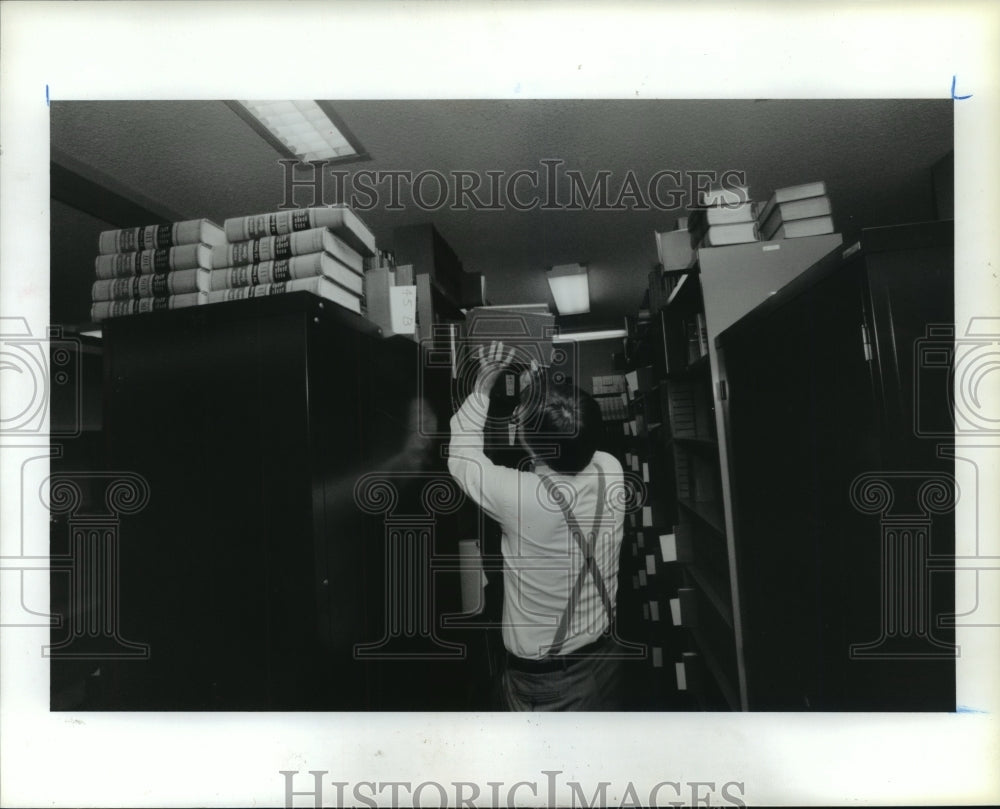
[254,573]
[843,511]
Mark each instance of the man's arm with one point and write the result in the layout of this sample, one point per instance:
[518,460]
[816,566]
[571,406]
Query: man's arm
[492,487]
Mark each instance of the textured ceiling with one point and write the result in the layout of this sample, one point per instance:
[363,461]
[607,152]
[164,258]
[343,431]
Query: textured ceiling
[197,158]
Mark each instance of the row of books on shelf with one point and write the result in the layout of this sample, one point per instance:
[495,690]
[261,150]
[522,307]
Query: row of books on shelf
[635,462]
[670,607]
[673,546]
[685,670]
[696,337]
[689,409]
[657,579]
[613,407]
[670,600]
[329,252]
[609,383]
[730,216]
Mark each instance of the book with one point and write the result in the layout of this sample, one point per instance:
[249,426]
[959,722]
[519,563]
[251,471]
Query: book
[319,285]
[403,310]
[392,307]
[288,269]
[802,208]
[739,233]
[702,329]
[674,249]
[720,215]
[731,195]
[158,237]
[102,310]
[528,329]
[798,228]
[791,193]
[150,262]
[382,258]
[681,408]
[272,248]
[341,219]
[797,209]
[150,286]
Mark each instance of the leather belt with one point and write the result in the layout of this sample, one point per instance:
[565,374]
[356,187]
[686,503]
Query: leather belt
[558,662]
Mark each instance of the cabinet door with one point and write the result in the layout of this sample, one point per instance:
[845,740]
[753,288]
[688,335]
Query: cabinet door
[213,415]
[911,295]
[843,578]
[803,424]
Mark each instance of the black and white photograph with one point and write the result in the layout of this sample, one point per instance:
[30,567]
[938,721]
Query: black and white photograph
[576,432]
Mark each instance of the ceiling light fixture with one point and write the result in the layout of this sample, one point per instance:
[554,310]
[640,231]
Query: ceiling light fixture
[587,336]
[570,288]
[306,130]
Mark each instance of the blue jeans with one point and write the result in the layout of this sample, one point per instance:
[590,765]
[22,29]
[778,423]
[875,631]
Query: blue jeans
[591,683]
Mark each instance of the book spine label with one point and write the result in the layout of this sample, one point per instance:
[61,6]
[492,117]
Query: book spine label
[260,250]
[141,286]
[153,237]
[102,310]
[276,224]
[153,304]
[156,237]
[131,240]
[146,262]
[241,293]
[266,272]
[117,265]
[155,261]
[116,308]
[280,271]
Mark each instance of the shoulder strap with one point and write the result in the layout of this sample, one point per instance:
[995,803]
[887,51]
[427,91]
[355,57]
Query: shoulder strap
[587,546]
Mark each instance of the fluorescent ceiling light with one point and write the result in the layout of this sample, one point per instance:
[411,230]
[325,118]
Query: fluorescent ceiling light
[587,336]
[307,130]
[570,288]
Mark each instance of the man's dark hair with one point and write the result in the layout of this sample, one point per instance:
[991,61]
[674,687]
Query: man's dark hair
[568,424]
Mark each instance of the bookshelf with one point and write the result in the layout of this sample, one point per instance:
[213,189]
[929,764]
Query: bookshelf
[651,574]
[677,341]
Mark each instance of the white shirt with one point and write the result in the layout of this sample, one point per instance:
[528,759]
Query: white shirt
[541,558]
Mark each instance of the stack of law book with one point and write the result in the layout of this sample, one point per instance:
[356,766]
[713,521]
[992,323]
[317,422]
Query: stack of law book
[796,211]
[152,267]
[318,250]
[724,216]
